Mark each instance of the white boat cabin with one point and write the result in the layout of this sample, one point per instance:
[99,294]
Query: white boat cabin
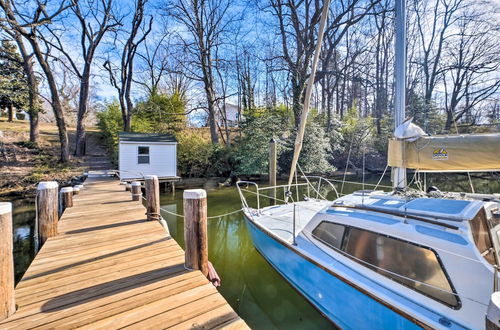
[143,154]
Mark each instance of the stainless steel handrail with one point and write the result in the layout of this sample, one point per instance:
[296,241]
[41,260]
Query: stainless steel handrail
[258,190]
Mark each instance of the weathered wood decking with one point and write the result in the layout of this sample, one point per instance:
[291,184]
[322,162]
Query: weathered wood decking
[110,268]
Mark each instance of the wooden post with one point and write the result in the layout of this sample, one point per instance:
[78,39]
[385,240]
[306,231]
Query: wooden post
[128,187]
[66,198]
[7,298]
[47,203]
[195,230]
[272,169]
[152,187]
[136,191]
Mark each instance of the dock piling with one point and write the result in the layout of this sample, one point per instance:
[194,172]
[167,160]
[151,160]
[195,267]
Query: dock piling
[152,187]
[7,297]
[47,204]
[136,191]
[66,198]
[195,230]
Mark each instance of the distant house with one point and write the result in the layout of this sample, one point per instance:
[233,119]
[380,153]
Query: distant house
[147,154]
[232,115]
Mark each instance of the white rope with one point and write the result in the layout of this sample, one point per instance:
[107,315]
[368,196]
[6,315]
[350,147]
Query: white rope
[380,180]
[211,217]
[345,171]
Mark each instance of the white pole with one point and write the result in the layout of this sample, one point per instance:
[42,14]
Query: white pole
[399,174]
[307,99]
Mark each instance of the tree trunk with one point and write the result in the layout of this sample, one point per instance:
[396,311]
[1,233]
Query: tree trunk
[34,130]
[56,104]
[32,89]
[81,135]
[10,109]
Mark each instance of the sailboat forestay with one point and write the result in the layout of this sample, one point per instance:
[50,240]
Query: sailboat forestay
[391,260]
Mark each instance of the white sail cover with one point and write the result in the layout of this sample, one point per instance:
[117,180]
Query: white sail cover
[408,131]
[452,153]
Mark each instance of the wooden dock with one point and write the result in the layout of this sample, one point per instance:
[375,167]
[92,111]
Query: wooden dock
[110,268]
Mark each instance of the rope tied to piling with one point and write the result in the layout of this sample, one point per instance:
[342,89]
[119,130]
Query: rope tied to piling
[211,217]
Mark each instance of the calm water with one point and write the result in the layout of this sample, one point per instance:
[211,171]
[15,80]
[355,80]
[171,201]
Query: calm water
[252,287]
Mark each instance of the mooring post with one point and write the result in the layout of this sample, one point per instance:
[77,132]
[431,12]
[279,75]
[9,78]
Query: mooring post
[136,191]
[47,204]
[7,297]
[272,169]
[195,230]
[66,198]
[152,187]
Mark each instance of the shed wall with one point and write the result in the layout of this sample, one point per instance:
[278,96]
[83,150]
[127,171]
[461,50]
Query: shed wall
[162,160]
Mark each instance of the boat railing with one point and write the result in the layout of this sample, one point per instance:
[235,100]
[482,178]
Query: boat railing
[312,190]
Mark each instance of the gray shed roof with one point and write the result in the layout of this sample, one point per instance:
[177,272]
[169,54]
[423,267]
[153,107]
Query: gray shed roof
[146,137]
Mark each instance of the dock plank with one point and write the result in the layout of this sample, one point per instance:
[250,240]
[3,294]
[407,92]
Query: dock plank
[111,268]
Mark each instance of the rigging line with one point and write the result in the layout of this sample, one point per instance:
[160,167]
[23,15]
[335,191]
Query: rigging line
[363,195]
[310,184]
[468,173]
[346,165]
[380,180]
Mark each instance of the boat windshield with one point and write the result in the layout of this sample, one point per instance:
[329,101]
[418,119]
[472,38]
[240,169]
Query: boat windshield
[409,264]
[482,237]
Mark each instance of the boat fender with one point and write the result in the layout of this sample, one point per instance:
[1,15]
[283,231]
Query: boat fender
[493,314]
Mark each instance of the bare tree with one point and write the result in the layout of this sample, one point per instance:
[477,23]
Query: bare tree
[297,22]
[137,34]
[472,57]
[206,21]
[433,21]
[155,62]
[27,25]
[95,18]
[29,71]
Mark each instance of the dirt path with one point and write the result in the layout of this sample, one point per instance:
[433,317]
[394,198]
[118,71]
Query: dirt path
[23,165]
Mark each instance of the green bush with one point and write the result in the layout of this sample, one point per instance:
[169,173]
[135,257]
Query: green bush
[251,155]
[316,154]
[110,123]
[161,113]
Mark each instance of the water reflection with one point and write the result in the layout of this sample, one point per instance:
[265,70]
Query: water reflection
[23,216]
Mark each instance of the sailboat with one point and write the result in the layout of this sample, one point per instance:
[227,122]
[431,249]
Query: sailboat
[389,260]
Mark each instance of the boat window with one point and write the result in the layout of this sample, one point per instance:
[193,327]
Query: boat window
[409,264]
[330,233]
[143,155]
[481,235]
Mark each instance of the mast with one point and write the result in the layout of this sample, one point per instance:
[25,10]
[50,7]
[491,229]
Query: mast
[303,118]
[399,173]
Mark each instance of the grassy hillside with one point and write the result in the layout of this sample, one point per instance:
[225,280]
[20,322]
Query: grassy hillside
[24,165]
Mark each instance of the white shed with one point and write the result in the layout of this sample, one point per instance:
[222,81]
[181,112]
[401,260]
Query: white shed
[147,154]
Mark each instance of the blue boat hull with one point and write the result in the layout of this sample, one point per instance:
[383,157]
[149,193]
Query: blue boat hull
[339,301]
